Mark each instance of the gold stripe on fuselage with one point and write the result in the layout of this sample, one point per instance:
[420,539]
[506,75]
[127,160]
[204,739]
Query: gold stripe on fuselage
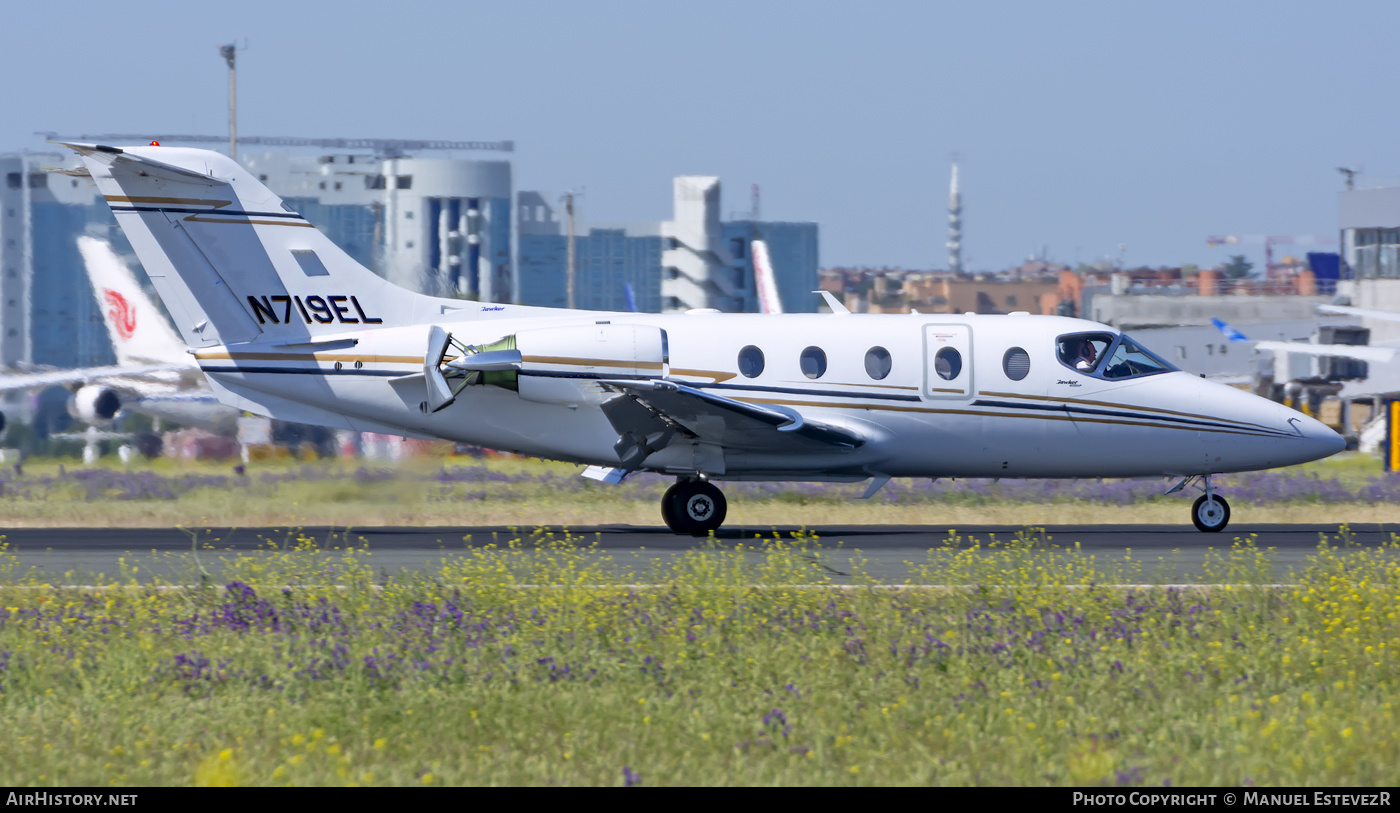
[565,361]
[719,376]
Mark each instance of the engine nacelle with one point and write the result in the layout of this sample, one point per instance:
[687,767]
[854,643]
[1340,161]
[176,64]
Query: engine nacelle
[558,362]
[94,404]
[553,365]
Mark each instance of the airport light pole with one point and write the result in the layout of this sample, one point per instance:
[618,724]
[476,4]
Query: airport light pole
[570,269]
[230,53]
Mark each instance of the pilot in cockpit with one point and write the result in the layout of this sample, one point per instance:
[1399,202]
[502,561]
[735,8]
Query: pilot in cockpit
[1079,352]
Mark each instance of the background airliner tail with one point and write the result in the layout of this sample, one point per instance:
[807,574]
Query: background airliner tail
[764,280]
[140,334]
[232,262]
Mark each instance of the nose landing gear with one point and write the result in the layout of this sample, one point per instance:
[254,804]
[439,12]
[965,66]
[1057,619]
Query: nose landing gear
[1210,513]
[693,507]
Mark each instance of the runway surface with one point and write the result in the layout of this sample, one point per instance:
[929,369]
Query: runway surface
[1167,552]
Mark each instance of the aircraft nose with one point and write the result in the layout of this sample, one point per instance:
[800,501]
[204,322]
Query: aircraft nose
[1318,439]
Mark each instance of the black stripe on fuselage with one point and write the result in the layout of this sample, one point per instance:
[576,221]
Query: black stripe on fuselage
[1124,414]
[1149,420]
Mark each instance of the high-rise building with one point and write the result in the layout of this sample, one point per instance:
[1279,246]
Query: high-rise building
[694,260]
[437,226]
[48,315]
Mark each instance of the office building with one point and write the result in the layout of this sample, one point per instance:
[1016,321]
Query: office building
[437,226]
[694,260]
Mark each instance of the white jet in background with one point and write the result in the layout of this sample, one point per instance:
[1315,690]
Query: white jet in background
[174,389]
[150,357]
[286,324]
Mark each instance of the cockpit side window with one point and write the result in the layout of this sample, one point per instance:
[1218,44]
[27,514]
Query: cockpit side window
[1083,352]
[1131,360]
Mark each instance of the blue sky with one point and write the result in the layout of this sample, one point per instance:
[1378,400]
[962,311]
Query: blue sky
[1082,125]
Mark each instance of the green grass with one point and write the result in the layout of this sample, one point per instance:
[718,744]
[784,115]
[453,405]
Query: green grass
[551,664]
[530,493]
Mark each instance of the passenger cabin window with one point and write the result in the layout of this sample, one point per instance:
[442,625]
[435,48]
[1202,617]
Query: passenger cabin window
[814,362]
[751,362]
[1016,363]
[877,363]
[947,363]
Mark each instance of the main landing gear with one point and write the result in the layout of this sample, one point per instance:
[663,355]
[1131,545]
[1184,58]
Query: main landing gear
[693,507]
[1210,513]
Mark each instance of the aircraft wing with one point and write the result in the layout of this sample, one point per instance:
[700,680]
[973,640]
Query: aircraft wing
[716,419]
[11,382]
[1340,310]
[1360,352]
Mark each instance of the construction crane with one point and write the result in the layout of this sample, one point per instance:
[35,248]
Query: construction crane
[383,147]
[1269,242]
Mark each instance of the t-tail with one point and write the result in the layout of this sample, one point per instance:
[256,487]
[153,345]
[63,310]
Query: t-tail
[764,280]
[140,333]
[232,262]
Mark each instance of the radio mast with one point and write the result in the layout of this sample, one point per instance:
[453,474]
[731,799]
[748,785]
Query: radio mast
[954,223]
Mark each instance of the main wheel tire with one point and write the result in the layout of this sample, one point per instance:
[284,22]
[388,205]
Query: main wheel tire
[694,507]
[1210,515]
[668,507]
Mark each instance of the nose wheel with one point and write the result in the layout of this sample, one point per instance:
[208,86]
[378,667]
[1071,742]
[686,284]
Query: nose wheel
[693,507]
[1210,513]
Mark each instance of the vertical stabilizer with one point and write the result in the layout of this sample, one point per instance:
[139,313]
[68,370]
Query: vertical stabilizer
[140,334]
[233,262]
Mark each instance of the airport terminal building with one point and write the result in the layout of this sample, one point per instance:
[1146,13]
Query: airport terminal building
[1369,220]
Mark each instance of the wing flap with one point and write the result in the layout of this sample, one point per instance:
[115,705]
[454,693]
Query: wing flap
[731,423]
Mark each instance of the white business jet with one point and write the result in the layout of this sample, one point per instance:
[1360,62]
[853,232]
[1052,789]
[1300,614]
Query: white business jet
[287,325]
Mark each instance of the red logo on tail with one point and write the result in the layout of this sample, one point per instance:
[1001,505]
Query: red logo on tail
[121,313]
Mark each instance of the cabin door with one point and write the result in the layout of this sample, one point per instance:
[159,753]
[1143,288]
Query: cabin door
[948,370]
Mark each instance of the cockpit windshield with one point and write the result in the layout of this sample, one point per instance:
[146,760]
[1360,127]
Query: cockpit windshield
[1130,360]
[1105,355]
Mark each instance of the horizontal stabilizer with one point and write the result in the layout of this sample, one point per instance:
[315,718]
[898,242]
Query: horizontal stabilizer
[151,167]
